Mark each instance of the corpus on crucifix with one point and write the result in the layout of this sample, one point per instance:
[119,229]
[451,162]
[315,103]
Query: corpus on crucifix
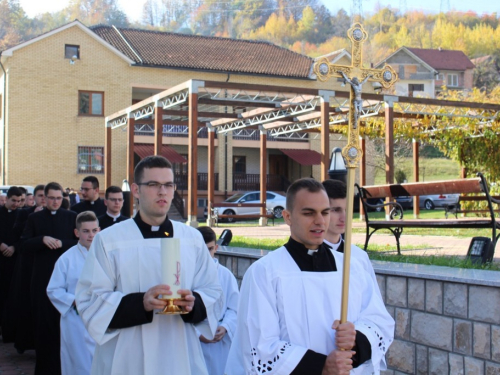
[356,76]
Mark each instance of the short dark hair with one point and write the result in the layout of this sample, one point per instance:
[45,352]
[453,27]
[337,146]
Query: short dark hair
[112,190]
[310,184]
[14,191]
[93,180]
[85,217]
[335,189]
[37,188]
[28,194]
[53,186]
[208,234]
[154,161]
[23,189]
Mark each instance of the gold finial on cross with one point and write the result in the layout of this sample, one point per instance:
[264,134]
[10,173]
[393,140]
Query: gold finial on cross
[356,76]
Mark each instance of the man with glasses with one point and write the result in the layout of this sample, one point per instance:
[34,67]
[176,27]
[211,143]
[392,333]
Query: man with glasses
[47,235]
[120,284]
[90,197]
[113,199]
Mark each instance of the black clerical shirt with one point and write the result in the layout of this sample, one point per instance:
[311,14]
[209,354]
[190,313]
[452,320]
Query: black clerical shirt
[322,260]
[130,311]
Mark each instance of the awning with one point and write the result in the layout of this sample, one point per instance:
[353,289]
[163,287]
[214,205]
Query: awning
[303,157]
[144,149]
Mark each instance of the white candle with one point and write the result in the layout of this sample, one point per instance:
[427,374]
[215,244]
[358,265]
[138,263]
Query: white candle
[171,264]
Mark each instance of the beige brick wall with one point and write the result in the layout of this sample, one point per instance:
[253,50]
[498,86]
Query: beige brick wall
[44,129]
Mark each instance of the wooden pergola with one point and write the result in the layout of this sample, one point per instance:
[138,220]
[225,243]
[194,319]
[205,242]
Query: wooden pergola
[274,110]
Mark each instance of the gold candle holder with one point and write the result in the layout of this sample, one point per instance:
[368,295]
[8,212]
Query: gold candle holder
[170,308]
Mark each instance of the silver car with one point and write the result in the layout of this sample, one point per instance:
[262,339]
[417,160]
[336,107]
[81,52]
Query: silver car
[274,202]
[429,202]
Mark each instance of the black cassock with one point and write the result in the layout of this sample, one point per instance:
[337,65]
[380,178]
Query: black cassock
[105,221]
[7,221]
[59,224]
[18,319]
[98,207]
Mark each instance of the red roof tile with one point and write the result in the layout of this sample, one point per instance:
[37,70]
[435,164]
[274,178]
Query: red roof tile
[165,49]
[443,59]
[303,157]
[143,150]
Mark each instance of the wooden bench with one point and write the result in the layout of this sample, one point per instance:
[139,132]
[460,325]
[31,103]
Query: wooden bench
[214,212]
[397,223]
[455,209]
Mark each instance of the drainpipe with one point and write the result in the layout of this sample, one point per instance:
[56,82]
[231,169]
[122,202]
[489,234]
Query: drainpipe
[4,106]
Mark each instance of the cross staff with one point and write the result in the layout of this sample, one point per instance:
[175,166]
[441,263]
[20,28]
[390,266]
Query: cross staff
[356,76]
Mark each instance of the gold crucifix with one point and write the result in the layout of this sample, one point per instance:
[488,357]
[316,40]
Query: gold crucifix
[356,76]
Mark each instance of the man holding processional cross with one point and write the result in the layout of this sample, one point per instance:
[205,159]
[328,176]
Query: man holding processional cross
[290,319]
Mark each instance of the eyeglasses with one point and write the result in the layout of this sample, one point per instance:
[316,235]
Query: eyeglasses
[86,189]
[115,200]
[154,185]
[55,198]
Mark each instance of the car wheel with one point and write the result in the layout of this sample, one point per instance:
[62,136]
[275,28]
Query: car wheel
[278,212]
[230,219]
[428,205]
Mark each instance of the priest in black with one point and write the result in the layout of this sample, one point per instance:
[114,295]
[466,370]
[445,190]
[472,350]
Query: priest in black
[90,197]
[48,234]
[113,199]
[8,253]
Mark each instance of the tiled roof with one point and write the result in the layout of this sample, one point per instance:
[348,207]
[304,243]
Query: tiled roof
[443,59]
[165,49]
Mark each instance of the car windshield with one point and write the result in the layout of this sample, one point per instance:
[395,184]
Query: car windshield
[234,198]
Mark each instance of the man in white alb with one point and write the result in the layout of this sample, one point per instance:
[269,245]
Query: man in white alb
[121,280]
[289,311]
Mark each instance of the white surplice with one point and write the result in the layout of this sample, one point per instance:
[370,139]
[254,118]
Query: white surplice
[283,312]
[216,353]
[121,262]
[77,347]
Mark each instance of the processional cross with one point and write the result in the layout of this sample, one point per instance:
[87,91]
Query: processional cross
[356,76]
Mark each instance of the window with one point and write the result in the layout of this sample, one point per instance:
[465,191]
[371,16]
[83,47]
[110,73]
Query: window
[70,51]
[453,80]
[90,103]
[415,87]
[440,77]
[239,164]
[90,159]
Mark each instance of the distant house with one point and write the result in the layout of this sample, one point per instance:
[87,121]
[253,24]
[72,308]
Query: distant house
[423,72]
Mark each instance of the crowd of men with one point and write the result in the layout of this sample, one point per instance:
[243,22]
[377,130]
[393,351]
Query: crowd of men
[103,286]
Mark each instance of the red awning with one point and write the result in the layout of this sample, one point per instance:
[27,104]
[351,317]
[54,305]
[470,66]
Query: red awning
[144,149]
[303,157]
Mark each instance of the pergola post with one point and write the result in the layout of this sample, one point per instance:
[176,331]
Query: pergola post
[416,173]
[192,217]
[211,173]
[130,156]
[158,128]
[107,157]
[263,175]
[325,134]
[362,173]
[389,144]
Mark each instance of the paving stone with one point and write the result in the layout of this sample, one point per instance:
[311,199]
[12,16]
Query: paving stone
[473,366]
[492,368]
[481,340]
[462,341]
[401,356]
[396,291]
[402,324]
[422,360]
[455,299]
[456,363]
[484,303]
[434,296]
[416,294]
[387,372]
[438,362]
[495,343]
[432,330]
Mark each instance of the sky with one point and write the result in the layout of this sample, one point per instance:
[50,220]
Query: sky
[133,8]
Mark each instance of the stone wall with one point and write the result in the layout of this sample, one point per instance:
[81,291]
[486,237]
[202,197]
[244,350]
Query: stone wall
[447,319]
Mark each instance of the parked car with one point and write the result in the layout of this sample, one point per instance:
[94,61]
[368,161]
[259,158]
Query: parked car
[372,201]
[5,188]
[429,202]
[274,202]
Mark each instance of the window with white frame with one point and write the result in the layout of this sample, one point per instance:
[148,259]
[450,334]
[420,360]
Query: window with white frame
[440,77]
[90,159]
[452,80]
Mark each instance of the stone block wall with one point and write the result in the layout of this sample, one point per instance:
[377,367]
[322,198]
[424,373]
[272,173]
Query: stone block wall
[447,319]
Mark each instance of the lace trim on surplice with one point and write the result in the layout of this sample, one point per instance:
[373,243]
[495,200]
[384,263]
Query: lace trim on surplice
[260,366]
